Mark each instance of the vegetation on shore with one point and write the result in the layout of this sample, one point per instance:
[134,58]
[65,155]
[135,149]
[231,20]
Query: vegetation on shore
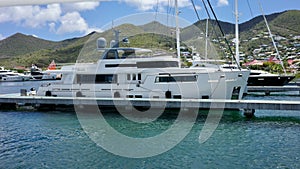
[24,50]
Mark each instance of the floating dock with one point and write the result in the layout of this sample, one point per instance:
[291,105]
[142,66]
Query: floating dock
[268,89]
[249,106]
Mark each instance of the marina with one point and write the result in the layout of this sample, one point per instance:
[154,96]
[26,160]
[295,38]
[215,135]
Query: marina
[158,110]
[55,138]
[11,101]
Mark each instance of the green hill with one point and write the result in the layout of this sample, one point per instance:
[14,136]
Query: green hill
[285,24]
[23,50]
[19,44]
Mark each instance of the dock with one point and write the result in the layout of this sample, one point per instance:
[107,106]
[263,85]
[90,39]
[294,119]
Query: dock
[268,89]
[249,106]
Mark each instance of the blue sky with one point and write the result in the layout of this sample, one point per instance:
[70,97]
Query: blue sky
[59,21]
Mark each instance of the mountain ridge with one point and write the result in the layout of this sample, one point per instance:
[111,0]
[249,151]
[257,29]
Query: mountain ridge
[33,49]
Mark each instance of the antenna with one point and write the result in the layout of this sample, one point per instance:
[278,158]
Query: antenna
[115,43]
[177,32]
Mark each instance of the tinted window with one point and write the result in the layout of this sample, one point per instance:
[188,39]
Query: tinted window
[161,79]
[96,79]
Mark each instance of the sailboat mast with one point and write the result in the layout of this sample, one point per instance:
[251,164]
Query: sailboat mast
[271,36]
[177,32]
[237,39]
[206,40]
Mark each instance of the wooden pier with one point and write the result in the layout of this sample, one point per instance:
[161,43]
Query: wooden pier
[249,106]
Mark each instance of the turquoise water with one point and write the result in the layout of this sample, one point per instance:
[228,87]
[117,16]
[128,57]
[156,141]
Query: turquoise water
[55,139]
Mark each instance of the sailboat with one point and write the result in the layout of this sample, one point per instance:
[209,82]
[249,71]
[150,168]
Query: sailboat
[256,77]
[136,73]
[264,78]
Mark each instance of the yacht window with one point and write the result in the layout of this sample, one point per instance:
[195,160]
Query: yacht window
[119,65]
[106,79]
[167,79]
[96,79]
[133,76]
[89,79]
[112,54]
[156,64]
[139,76]
[254,73]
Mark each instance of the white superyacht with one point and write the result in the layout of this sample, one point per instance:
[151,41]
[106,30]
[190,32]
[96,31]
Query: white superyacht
[136,73]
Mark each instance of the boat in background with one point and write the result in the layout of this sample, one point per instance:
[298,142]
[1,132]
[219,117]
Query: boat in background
[263,78]
[49,74]
[10,76]
[256,77]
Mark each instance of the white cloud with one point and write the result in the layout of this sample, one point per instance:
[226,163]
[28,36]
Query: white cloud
[184,3]
[72,22]
[141,5]
[145,5]
[223,2]
[80,6]
[52,27]
[4,3]
[198,7]
[41,16]
[30,16]
[93,29]
[15,14]
[59,18]
[66,18]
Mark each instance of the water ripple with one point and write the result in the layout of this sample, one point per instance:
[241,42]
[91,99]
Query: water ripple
[56,140]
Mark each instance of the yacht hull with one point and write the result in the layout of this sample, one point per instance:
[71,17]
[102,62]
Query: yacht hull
[269,80]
